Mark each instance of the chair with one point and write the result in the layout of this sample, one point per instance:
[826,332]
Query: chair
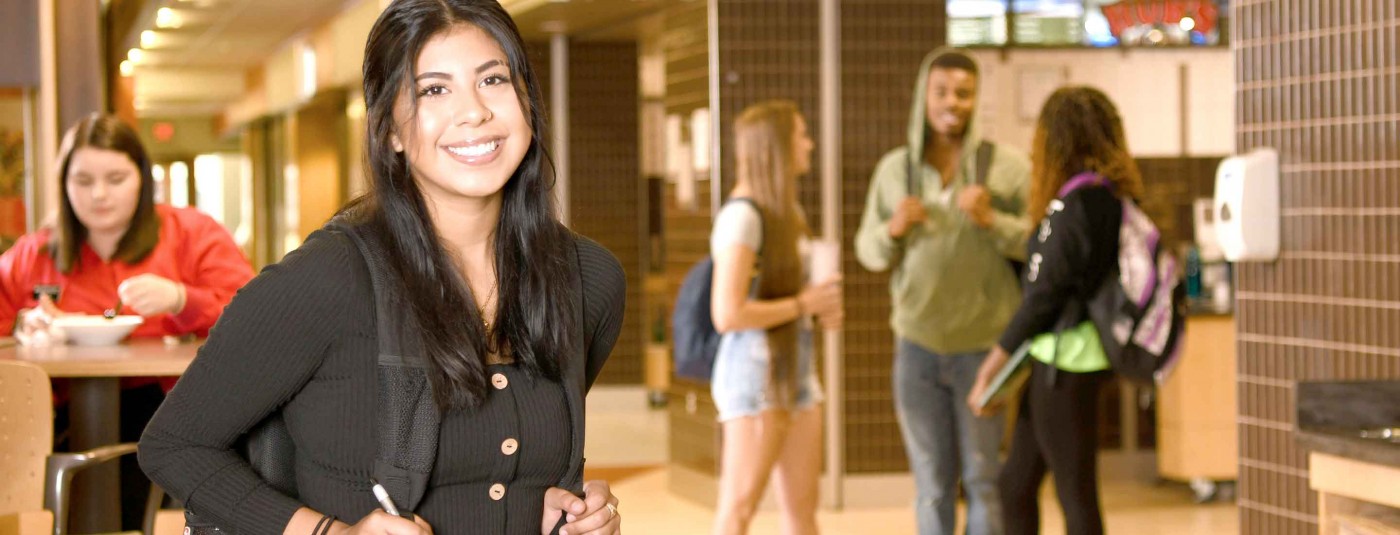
[34,492]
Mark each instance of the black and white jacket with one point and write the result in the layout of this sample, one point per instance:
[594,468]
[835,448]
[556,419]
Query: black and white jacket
[1069,254]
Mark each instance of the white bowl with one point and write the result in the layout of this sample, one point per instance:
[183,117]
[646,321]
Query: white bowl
[85,330]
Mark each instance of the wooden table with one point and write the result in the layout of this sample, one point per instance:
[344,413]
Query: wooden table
[94,410]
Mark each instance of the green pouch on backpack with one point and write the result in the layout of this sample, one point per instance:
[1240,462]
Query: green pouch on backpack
[1079,349]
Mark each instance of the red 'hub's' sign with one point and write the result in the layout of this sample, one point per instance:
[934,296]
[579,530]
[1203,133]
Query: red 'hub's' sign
[1129,13]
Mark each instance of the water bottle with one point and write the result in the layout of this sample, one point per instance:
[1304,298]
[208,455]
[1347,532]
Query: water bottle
[1193,273]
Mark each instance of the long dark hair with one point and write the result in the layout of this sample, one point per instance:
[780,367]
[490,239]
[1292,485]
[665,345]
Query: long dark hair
[536,306]
[104,132]
[763,140]
[1079,130]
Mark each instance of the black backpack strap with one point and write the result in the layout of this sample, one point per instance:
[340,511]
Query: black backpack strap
[985,152]
[913,185]
[575,375]
[407,419]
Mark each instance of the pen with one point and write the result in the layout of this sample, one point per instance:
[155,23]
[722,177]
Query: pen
[383,497]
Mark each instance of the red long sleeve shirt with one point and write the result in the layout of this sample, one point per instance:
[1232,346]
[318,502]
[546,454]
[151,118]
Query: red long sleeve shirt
[194,250]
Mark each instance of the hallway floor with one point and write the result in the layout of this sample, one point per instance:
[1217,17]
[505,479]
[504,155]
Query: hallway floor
[627,445]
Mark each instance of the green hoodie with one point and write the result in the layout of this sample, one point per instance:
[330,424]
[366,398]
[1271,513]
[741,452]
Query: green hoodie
[952,289]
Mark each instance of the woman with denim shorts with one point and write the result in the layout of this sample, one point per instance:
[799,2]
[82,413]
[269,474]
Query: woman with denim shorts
[765,384]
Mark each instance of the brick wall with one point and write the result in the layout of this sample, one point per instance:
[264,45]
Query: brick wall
[1319,82]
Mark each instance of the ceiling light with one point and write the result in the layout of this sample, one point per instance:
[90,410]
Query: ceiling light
[135,55]
[167,18]
[148,39]
[127,67]
[1188,23]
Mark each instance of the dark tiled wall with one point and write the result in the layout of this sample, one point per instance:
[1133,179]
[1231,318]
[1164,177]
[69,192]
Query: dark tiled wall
[606,190]
[769,49]
[1319,82]
[606,187]
[882,42]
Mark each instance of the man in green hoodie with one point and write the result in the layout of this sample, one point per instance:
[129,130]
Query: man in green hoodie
[947,228]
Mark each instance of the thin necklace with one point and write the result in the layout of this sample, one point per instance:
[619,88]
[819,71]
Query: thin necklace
[481,309]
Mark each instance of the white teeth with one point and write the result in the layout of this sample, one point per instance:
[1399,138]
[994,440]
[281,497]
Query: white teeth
[475,150]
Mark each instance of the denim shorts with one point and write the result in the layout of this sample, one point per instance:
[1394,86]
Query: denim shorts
[741,385]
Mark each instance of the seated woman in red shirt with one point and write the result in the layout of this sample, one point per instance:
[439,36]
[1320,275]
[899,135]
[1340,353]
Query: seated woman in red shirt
[175,266]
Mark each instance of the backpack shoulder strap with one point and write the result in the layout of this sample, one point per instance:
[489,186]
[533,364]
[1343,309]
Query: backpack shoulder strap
[576,370]
[407,420]
[1083,180]
[985,151]
[757,210]
[913,185]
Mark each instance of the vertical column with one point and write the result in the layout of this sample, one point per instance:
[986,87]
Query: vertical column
[79,52]
[559,107]
[45,190]
[829,111]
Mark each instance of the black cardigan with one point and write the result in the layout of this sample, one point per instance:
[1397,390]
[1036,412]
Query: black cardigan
[264,355]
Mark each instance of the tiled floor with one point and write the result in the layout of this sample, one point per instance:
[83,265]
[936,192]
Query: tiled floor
[627,445]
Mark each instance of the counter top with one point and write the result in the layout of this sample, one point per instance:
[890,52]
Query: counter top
[1351,446]
[1334,415]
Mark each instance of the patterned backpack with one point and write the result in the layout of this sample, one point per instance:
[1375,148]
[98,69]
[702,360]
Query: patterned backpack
[1140,310]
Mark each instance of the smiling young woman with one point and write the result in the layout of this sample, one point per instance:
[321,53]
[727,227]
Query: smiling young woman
[482,273]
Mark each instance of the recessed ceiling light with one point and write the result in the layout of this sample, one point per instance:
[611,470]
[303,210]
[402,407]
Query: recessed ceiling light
[148,39]
[126,68]
[167,18]
[135,55]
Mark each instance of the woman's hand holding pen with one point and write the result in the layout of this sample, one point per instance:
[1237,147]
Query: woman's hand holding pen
[309,522]
[382,523]
[594,514]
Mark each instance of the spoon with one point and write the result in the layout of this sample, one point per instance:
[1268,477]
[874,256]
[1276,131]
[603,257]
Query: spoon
[111,313]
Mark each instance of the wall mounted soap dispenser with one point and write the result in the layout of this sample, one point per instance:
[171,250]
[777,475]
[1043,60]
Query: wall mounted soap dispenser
[1247,206]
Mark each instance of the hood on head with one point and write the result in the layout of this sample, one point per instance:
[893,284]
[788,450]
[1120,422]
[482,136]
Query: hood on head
[919,128]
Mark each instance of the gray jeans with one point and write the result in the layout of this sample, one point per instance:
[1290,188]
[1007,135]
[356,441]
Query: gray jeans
[945,442]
